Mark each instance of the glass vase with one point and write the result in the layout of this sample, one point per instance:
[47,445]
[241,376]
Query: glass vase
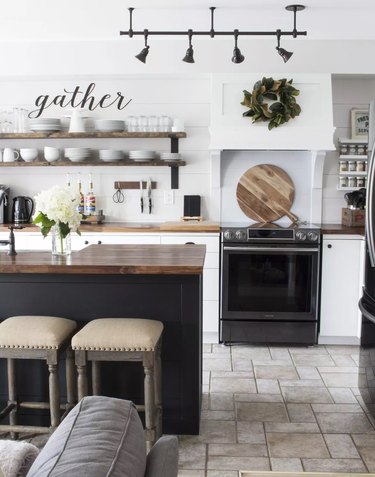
[60,246]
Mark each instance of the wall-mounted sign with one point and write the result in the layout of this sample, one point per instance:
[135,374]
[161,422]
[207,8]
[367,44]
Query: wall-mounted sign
[360,121]
[79,98]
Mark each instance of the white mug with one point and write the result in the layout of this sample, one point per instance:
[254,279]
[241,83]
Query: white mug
[51,154]
[10,155]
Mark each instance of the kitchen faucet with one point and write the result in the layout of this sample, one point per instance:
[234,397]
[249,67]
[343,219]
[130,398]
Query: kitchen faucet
[11,240]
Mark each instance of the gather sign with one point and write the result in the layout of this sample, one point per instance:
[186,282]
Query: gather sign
[79,98]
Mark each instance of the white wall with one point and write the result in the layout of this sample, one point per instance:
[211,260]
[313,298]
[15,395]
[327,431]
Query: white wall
[348,93]
[186,97]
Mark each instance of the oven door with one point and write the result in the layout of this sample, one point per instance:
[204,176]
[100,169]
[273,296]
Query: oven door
[269,282]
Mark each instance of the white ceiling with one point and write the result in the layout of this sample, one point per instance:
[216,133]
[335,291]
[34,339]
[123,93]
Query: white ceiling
[98,19]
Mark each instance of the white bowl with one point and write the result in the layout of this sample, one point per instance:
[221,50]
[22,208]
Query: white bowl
[29,154]
[51,154]
[107,125]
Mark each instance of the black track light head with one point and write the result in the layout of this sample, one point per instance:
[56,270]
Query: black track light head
[143,54]
[285,55]
[189,56]
[237,55]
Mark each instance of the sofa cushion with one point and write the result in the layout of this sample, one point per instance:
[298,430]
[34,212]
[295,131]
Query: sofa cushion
[162,460]
[101,436]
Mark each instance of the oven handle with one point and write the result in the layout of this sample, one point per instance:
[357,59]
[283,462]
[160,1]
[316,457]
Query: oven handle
[271,249]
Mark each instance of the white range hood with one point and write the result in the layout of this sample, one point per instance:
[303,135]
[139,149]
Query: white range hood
[311,130]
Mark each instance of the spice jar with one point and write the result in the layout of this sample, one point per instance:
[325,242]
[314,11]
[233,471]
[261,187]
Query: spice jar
[343,166]
[352,181]
[360,166]
[343,181]
[360,181]
[351,166]
[343,149]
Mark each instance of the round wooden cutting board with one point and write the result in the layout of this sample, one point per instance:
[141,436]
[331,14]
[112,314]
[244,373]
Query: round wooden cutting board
[266,193]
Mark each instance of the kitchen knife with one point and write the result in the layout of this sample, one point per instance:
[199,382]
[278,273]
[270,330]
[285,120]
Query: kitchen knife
[149,195]
[141,194]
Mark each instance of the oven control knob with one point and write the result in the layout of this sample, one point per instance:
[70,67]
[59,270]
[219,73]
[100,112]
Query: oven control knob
[240,235]
[301,235]
[313,236]
[229,235]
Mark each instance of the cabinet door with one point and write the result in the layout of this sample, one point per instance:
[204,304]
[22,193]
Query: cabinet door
[342,271]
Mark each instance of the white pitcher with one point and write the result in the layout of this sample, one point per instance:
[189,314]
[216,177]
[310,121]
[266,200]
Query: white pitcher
[77,123]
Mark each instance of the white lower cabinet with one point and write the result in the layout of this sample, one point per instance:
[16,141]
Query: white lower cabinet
[210,273]
[341,288]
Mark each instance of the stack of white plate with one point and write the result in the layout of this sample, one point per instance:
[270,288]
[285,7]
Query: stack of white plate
[110,155]
[45,124]
[77,154]
[142,156]
[109,125]
[170,156]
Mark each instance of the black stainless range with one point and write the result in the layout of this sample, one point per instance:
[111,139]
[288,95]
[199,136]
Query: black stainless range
[269,288]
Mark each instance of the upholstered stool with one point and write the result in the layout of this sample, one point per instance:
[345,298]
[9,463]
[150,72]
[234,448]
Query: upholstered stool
[37,337]
[124,339]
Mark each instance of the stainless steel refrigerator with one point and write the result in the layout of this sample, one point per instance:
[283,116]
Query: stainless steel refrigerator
[366,382]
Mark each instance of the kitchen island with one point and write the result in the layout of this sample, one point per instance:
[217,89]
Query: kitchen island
[161,282]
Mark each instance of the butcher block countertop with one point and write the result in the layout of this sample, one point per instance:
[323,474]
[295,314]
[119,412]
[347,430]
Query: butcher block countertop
[112,260]
[126,227]
[338,229]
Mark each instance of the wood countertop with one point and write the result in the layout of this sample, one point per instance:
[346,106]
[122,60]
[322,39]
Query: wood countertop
[127,227]
[339,229]
[112,260]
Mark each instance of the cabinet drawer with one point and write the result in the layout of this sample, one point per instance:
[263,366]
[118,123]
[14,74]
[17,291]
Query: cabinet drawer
[211,242]
[89,239]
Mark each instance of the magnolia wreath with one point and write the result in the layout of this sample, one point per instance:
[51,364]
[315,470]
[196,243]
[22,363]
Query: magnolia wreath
[261,107]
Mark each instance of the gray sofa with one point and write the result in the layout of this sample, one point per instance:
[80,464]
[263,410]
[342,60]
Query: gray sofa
[104,436]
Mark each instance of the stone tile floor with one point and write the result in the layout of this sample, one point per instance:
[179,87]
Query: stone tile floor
[283,409]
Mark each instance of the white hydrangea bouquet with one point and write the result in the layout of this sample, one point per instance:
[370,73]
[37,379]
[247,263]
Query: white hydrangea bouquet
[56,210]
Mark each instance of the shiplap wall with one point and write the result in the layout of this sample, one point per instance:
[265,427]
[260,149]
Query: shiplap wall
[186,97]
[348,93]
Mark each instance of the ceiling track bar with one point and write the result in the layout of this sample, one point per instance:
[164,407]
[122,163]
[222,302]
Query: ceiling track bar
[132,33]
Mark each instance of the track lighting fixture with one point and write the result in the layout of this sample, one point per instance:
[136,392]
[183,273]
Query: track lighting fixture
[143,54]
[189,57]
[285,55]
[237,55]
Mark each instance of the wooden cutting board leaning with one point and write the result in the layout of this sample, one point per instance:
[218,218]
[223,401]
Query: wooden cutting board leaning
[265,193]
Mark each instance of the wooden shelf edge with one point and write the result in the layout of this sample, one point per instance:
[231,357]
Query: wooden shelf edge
[92,135]
[93,163]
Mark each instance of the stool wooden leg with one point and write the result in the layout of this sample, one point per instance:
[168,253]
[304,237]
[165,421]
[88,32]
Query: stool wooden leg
[80,357]
[158,391]
[96,382]
[149,387]
[54,395]
[12,394]
[71,382]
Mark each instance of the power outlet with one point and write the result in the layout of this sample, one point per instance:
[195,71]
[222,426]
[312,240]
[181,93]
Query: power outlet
[169,197]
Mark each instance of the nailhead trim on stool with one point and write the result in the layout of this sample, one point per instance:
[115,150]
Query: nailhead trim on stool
[123,339]
[37,337]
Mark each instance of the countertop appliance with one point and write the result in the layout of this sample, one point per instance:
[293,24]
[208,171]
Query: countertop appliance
[269,284]
[22,209]
[4,204]
[367,301]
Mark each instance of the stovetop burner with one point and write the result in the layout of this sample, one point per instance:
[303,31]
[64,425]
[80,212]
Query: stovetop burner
[263,232]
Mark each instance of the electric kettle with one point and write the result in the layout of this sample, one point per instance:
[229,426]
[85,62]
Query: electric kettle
[22,209]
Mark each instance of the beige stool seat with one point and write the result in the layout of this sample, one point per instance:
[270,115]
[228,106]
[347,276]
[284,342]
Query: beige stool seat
[123,339]
[37,337]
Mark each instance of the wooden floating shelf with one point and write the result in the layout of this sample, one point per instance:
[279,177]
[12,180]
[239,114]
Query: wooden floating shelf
[92,135]
[93,163]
